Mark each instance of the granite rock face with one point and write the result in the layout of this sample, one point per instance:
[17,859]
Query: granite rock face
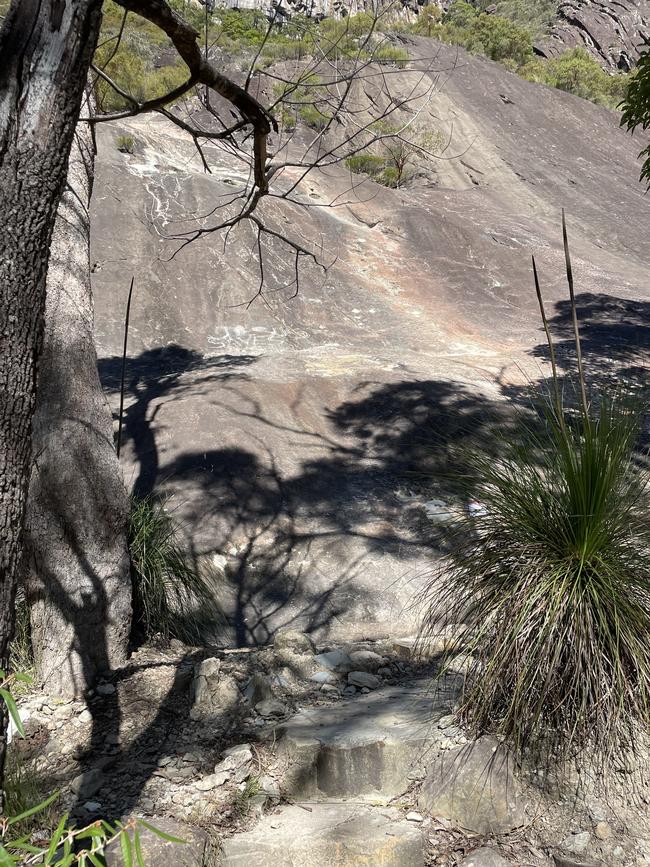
[474,786]
[287,434]
[611,31]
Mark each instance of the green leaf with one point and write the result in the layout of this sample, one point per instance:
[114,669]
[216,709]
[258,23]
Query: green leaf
[138,847]
[94,860]
[161,834]
[127,852]
[23,678]
[12,707]
[24,846]
[32,810]
[54,842]
[90,831]
[7,860]
[2,674]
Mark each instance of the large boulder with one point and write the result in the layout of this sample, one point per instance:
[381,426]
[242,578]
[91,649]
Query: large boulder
[474,787]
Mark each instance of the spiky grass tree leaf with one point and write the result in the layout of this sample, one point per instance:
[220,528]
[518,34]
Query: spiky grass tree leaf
[172,598]
[552,583]
[12,707]
[38,808]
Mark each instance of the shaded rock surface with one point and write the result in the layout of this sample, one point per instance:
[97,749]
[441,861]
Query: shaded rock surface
[484,857]
[475,788]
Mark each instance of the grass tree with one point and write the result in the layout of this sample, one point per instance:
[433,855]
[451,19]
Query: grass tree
[551,579]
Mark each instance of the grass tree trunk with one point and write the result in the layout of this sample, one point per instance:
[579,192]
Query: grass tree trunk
[77,577]
[45,52]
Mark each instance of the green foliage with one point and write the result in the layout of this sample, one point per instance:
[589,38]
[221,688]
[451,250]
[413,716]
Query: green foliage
[552,583]
[65,844]
[636,105]
[397,152]
[21,650]
[494,36]
[21,791]
[535,16]
[306,99]
[68,845]
[368,164]
[390,54]
[577,72]
[171,597]
[429,17]
[242,801]
[507,37]
[125,144]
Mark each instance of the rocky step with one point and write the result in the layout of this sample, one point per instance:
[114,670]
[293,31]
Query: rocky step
[332,834]
[369,746]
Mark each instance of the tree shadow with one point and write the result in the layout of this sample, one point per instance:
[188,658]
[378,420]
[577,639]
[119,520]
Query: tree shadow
[614,336]
[153,375]
[311,547]
[615,345]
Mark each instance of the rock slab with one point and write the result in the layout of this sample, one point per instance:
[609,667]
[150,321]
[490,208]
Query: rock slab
[361,746]
[474,787]
[336,835]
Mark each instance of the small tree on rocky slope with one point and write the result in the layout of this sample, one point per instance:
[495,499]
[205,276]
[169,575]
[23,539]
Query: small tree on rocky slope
[636,106]
[46,53]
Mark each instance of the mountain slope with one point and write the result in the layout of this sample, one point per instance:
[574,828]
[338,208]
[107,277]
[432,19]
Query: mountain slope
[293,432]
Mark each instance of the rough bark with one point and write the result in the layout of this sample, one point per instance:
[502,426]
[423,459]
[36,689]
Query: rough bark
[77,581]
[45,52]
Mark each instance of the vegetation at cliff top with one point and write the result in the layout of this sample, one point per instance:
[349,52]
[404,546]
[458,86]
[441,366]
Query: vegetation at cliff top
[506,35]
[507,38]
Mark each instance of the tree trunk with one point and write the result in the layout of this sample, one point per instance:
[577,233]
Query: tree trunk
[45,53]
[78,582]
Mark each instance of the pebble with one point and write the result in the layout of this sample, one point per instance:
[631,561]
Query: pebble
[240,754]
[268,786]
[87,783]
[334,660]
[414,817]
[105,689]
[577,842]
[363,678]
[603,831]
[327,677]
[212,781]
[270,708]
[92,806]
[366,660]
[242,773]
